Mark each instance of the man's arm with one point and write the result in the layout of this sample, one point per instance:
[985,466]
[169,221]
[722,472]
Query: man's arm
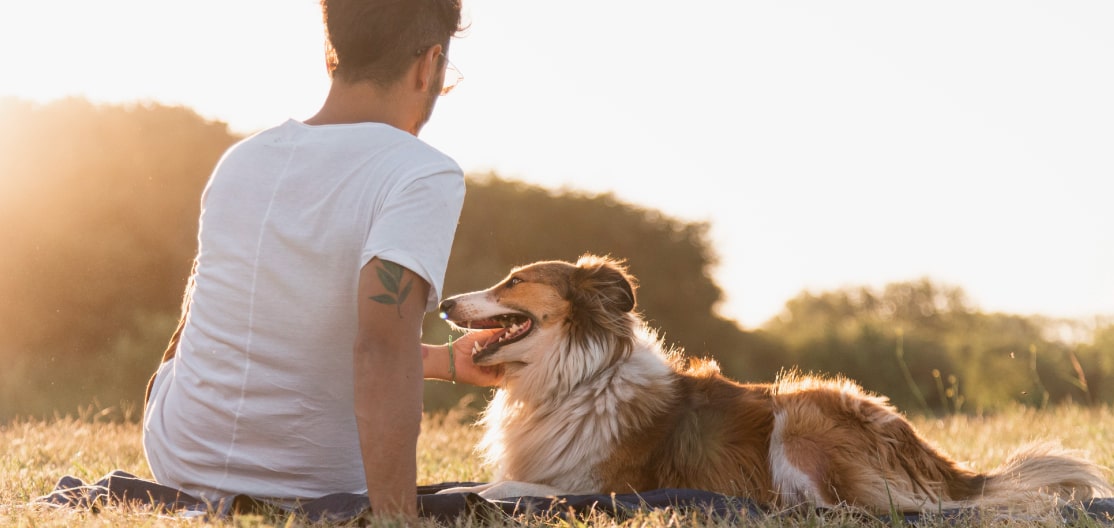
[387,370]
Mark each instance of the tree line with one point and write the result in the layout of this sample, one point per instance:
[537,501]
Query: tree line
[100,206]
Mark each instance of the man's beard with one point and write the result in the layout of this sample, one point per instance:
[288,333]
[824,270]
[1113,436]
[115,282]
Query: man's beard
[431,99]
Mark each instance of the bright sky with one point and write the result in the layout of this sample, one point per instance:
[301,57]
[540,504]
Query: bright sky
[828,143]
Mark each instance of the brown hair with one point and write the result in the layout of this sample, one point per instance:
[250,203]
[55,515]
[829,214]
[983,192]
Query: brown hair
[376,40]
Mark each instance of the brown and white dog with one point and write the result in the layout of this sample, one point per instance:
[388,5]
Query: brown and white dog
[592,402]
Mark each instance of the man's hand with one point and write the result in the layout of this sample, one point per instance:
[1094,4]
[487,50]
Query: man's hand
[466,370]
[436,360]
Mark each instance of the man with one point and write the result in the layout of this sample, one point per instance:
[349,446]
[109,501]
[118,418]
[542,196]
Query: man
[321,246]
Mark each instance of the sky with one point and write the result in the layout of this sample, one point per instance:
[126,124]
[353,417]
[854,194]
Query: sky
[828,143]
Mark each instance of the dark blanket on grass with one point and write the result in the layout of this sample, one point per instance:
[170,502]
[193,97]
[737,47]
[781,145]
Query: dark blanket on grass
[120,488]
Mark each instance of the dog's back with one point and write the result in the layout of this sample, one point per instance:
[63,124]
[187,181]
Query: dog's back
[826,441]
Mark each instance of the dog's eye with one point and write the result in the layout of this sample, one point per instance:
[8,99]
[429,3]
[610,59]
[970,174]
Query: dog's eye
[514,281]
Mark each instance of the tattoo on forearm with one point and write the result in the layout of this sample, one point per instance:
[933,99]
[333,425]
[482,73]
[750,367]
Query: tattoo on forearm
[390,275]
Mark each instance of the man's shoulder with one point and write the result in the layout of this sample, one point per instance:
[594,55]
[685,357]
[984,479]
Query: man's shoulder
[413,158]
[415,148]
[353,143]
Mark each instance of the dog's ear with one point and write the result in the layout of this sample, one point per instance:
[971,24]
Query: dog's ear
[604,281]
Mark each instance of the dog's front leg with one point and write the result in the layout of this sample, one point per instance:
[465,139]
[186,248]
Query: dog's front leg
[508,488]
[467,489]
[512,488]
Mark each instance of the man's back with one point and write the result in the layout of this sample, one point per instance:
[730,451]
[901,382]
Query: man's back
[258,398]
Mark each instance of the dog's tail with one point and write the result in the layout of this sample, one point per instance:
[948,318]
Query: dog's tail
[1042,477]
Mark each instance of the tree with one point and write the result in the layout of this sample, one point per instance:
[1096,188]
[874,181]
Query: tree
[1094,363]
[925,347]
[506,223]
[100,207]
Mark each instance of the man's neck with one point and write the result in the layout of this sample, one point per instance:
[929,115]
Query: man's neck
[364,102]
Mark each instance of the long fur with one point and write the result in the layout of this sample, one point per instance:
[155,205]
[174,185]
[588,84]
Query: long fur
[592,402]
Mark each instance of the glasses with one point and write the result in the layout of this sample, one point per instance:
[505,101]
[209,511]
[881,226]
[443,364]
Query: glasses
[452,73]
[452,77]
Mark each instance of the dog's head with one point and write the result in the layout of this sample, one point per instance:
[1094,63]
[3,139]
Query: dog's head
[552,307]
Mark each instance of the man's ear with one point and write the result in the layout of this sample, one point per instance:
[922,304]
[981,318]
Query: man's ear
[426,69]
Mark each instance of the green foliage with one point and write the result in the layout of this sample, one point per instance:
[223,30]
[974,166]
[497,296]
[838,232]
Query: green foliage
[925,347]
[100,208]
[1096,360]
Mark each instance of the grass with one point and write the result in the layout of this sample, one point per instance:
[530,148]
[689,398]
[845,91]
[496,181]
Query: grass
[34,454]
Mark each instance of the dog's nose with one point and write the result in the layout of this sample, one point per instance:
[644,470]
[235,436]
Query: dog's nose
[446,305]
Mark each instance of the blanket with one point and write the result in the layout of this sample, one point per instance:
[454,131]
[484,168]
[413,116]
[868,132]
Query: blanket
[122,488]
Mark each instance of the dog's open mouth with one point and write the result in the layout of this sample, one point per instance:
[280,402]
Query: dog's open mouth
[512,327]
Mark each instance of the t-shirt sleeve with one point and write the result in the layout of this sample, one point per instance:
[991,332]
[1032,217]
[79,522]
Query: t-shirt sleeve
[416,225]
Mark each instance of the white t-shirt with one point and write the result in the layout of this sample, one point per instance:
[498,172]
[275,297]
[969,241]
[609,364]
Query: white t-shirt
[258,399]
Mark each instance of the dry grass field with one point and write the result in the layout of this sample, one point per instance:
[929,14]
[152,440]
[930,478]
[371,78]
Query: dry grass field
[35,454]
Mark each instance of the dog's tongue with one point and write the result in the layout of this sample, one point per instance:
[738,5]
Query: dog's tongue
[484,338]
[496,336]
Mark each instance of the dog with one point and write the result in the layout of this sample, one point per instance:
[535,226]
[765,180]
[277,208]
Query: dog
[592,401]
